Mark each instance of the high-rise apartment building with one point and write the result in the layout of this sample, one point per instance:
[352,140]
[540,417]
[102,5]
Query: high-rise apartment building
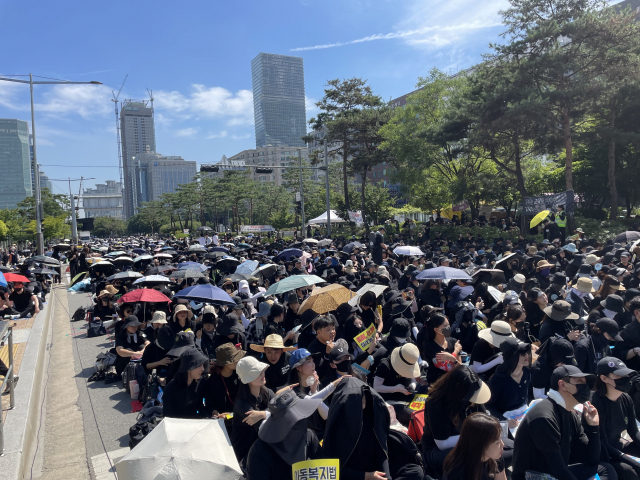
[158,174]
[137,131]
[103,201]
[15,163]
[278,100]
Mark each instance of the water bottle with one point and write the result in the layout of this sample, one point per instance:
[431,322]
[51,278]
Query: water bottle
[134,388]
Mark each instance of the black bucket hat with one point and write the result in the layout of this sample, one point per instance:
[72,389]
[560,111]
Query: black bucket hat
[615,303]
[184,341]
[230,325]
[400,328]
[165,337]
[286,410]
[131,321]
[191,359]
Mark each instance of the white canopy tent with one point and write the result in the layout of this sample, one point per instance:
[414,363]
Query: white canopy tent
[323,219]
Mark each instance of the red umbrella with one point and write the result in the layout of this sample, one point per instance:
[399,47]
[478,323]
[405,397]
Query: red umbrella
[14,277]
[143,295]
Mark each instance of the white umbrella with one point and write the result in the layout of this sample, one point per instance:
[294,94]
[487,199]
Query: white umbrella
[152,279]
[163,255]
[181,449]
[408,250]
[369,287]
[123,260]
[312,241]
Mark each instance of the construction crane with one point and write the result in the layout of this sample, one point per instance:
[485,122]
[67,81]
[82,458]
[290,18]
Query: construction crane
[150,92]
[115,101]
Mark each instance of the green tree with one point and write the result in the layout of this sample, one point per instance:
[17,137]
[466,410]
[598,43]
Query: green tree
[107,226]
[54,205]
[378,203]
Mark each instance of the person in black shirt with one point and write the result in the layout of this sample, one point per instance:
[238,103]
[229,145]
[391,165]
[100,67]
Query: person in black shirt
[377,246]
[478,453]
[182,319]
[206,334]
[277,356]
[130,343]
[439,349]
[104,306]
[325,335]
[554,353]
[590,350]
[155,355]
[451,399]
[222,385]
[486,355]
[551,439]
[22,300]
[617,415]
[183,396]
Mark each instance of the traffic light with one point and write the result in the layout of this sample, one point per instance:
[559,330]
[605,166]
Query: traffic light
[264,170]
[209,168]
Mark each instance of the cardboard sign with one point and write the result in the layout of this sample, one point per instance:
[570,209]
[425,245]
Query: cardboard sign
[444,248]
[365,338]
[325,469]
[418,401]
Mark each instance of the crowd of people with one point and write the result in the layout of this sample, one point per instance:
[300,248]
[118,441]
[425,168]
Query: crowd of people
[462,358]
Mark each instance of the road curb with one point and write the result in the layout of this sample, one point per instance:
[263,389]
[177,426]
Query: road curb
[23,422]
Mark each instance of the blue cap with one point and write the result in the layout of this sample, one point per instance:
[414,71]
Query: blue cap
[298,357]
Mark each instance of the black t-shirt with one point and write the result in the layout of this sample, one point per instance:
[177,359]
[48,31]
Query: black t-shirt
[428,353]
[616,417]
[391,378]
[483,351]
[277,374]
[322,364]
[220,392]
[22,300]
[506,394]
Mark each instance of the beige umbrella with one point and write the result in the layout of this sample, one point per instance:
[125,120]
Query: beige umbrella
[326,299]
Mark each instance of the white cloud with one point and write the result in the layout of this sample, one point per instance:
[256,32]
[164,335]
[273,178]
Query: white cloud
[209,102]
[186,132]
[84,100]
[241,137]
[310,106]
[434,23]
[8,93]
[222,134]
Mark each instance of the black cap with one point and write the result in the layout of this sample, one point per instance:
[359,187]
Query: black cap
[561,351]
[400,328]
[569,371]
[338,352]
[631,293]
[613,365]
[131,321]
[609,326]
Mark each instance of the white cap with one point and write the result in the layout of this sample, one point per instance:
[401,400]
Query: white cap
[249,368]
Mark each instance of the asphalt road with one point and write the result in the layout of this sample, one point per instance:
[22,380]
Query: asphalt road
[106,409]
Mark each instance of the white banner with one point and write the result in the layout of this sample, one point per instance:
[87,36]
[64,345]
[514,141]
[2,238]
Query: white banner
[258,228]
[356,217]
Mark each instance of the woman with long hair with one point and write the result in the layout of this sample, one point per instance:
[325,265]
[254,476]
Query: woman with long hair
[537,301]
[439,349]
[451,399]
[515,316]
[610,286]
[478,453]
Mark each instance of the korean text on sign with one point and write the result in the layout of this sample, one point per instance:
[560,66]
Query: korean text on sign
[365,338]
[325,469]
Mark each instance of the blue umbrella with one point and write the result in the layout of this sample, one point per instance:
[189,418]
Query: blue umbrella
[288,253]
[191,266]
[444,273]
[206,293]
[247,267]
[3,281]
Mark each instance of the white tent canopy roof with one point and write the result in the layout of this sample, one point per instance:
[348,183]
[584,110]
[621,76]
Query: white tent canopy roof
[323,218]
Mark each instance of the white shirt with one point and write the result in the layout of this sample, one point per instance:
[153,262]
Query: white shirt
[215,240]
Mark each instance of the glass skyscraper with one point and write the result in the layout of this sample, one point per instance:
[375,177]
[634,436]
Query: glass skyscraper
[278,100]
[15,163]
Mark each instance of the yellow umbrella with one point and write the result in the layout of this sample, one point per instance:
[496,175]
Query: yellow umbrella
[326,299]
[539,218]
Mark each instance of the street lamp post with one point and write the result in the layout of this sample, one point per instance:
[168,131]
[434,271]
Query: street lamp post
[34,162]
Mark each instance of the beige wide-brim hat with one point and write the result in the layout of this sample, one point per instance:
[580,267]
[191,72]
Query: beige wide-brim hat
[585,285]
[105,292]
[182,308]
[498,333]
[272,341]
[404,360]
[483,395]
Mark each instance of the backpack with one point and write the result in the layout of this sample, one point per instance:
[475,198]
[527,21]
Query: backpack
[79,314]
[416,425]
[135,371]
[141,429]
[96,329]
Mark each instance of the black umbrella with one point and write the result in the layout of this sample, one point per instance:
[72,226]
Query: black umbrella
[350,246]
[44,259]
[492,276]
[627,237]
[124,275]
[236,277]
[44,271]
[4,269]
[215,255]
[159,269]
[187,274]
[228,263]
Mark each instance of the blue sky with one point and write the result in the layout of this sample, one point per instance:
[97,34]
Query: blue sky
[195,55]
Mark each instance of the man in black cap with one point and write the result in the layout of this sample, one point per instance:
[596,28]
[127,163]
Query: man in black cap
[589,350]
[552,439]
[377,245]
[130,343]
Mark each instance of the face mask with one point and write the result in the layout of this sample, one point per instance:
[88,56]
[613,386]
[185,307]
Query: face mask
[583,393]
[623,384]
[446,331]
[545,272]
[344,366]
[401,340]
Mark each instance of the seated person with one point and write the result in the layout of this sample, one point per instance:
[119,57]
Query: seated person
[277,356]
[22,300]
[155,355]
[130,343]
[183,396]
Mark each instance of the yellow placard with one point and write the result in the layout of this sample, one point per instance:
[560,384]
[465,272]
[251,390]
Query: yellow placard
[418,401]
[379,310]
[365,338]
[325,469]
